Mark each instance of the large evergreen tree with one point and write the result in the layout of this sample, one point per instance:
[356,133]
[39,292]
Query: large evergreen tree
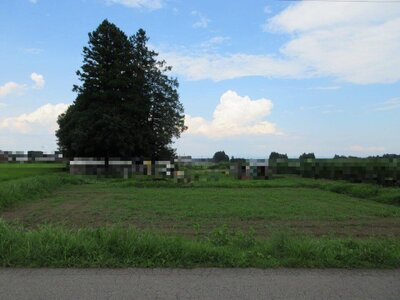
[126,105]
[161,100]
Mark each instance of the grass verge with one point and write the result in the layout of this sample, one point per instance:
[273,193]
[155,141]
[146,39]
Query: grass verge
[121,247]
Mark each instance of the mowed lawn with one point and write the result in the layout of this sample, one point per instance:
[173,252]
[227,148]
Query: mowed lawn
[196,211]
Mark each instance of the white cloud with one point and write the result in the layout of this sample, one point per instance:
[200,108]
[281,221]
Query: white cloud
[215,41]
[355,42]
[219,67]
[352,42]
[359,148]
[150,4]
[393,103]
[10,88]
[202,22]
[38,79]
[42,119]
[305,16]
[33,50]
[234,115]
[13,88]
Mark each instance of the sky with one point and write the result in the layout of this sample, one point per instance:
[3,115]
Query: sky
[255,76]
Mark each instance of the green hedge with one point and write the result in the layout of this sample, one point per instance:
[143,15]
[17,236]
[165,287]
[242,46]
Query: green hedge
[384,171]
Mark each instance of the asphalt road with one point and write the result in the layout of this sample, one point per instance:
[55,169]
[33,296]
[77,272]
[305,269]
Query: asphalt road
[198,284]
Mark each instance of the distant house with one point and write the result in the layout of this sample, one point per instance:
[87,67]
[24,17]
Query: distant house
[251,169]
[30,156]
[3,157]
[121,168]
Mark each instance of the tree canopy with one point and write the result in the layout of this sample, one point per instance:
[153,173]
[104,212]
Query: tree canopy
[276,155]
[220,156]
[307,155]
[126,106]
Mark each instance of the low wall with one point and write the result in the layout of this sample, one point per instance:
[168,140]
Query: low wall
[121,168]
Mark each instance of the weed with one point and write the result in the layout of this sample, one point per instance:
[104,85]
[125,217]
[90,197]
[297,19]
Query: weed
[126,247]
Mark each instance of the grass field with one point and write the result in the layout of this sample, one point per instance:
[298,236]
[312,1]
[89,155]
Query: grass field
[54,219]
[16,171]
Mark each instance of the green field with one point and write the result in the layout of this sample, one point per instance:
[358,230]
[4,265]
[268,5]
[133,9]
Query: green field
[12,171]
[213,221]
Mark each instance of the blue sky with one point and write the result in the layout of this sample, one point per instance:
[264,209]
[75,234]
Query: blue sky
[282,76]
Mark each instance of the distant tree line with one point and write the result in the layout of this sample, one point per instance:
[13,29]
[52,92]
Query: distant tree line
[221,156]
[386,156]
[307,156]
[376,156]
[276,155]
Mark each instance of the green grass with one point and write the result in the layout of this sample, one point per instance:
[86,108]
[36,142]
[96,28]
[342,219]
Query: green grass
[191,211]
[53,219]
[216,178]
[121,247]
[30,188]
[11,171]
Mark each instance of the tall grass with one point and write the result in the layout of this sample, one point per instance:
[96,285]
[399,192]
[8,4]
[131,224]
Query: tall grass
[30,188]
[119,247]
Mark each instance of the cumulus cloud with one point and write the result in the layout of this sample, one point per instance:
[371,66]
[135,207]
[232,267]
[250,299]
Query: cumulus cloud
[38,79]
[42,119]
[355,42]
[13,88]
[10,88]
[202,21]
[234,115]
[150,4]
[393,103]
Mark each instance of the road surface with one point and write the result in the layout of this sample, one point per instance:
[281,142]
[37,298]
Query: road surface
[198,284]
